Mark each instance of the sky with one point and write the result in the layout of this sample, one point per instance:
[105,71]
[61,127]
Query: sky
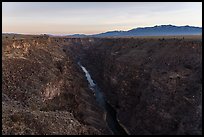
[95,17]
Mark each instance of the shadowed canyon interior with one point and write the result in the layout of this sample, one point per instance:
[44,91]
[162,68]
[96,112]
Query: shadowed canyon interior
[149,85]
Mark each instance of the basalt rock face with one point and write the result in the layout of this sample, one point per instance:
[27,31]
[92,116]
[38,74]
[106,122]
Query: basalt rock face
[155,85]
[45,92]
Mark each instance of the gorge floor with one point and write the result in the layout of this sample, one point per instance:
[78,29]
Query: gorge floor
[111,116]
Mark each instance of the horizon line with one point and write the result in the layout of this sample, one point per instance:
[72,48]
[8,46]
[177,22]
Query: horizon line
[46,33]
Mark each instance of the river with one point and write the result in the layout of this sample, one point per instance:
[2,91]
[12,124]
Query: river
[111,117]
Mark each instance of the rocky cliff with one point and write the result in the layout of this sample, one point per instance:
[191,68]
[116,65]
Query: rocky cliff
[45,92]
[154,84]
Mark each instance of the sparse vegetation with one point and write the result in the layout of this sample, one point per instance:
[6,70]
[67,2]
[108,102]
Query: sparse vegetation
[146,80]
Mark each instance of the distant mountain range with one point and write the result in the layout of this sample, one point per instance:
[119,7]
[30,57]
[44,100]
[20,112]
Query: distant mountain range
[162,30]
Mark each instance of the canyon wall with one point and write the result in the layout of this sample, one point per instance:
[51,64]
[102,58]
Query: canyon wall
[155,85]
[45,92]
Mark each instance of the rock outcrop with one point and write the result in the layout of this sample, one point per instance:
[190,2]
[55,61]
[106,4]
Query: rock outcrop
[45,92]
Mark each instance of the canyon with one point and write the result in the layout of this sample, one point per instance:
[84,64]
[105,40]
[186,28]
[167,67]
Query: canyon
[153,85]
